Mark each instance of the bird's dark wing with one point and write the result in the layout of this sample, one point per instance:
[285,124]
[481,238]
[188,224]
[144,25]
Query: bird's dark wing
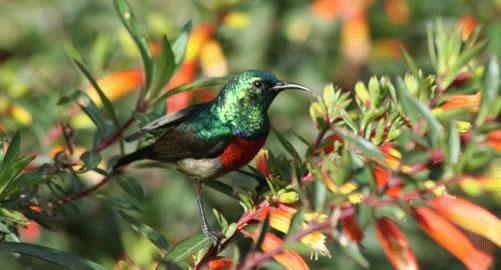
[175,145]
[167,120]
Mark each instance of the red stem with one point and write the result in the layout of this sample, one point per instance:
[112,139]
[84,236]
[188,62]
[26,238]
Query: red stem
[115,137]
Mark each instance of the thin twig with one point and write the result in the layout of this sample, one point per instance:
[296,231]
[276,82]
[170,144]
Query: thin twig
[261,257]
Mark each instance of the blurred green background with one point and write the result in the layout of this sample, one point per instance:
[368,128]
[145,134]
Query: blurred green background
[309,42]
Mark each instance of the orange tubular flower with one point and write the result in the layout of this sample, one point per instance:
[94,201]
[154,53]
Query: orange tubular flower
[279,219]
[261,165]
[212,59]
[185,74]
[220,264]
[381,176]
[117,84]
[325,10]
[469,216]
[468,22]
[451,238]
[395,245]
[351,228]
[355,38]
[397,11]
[462,101]
[289,259]
[494,139]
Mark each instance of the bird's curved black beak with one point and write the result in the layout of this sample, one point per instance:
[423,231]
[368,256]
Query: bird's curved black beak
[286,85]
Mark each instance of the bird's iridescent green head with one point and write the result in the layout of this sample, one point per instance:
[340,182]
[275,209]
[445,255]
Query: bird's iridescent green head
[256,87]
[244,100]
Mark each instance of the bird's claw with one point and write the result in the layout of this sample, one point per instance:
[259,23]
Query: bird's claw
[215,237]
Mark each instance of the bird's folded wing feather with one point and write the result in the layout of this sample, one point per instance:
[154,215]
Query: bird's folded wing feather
[165,121]
[175,145]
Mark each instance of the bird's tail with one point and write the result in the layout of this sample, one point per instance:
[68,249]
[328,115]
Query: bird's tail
[143,153]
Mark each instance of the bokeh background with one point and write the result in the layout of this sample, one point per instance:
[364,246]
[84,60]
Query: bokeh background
[309,42]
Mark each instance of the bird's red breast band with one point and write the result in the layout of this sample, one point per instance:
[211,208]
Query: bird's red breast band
[239,152]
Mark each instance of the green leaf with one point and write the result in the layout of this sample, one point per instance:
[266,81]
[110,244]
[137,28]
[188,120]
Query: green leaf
[230,230]
[462,61]
[91,159]
[50,255]
[122,204]
[187,247]
[412,106]
[287,145]
[296,221]
[129,21]
[414,70]
[198,84]
[9,236]
[7,174]
[22,182]
[320,193]
[454,143]
[163,68]
[431,45]
[490,91]
[12,151]
[108,106]
[179,43]
[13,215]
[131,186]
[263,229]
[154,236]
[89,108]
[363,145]
[351,249]
[221,187]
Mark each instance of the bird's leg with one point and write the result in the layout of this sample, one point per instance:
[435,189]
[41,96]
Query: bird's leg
[212,235]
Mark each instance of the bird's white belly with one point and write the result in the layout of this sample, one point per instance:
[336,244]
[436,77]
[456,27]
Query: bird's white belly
[200,169]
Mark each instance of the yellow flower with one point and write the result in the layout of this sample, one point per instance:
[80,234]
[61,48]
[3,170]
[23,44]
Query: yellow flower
[316,240]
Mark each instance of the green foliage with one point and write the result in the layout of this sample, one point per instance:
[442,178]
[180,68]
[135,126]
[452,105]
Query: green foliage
[321,169]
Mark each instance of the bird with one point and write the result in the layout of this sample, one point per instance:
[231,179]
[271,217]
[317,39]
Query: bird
[211,139]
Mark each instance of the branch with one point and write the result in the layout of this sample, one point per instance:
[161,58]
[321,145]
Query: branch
[258,258]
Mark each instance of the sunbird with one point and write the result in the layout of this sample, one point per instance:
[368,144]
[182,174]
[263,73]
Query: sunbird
[208,140]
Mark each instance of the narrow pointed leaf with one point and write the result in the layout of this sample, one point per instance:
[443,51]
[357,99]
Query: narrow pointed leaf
[462,61]
[154,236]
[22,182]
[104,99]
[50,255]
[89,108]
[163,68]
[7,174]
[122,204]
[127,17]
[131,186]
[490,91]
[296,220]
[12,151]
[412,106]
[363,145]
[287,145]
[187,247]
[413,69]
[91,159]
[179,43]
[454,143]
[263,229]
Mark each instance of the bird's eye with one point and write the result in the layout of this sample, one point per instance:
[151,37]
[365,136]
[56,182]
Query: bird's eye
[257,84]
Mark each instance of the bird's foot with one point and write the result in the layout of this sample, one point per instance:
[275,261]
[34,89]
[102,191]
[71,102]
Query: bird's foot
[215,237]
